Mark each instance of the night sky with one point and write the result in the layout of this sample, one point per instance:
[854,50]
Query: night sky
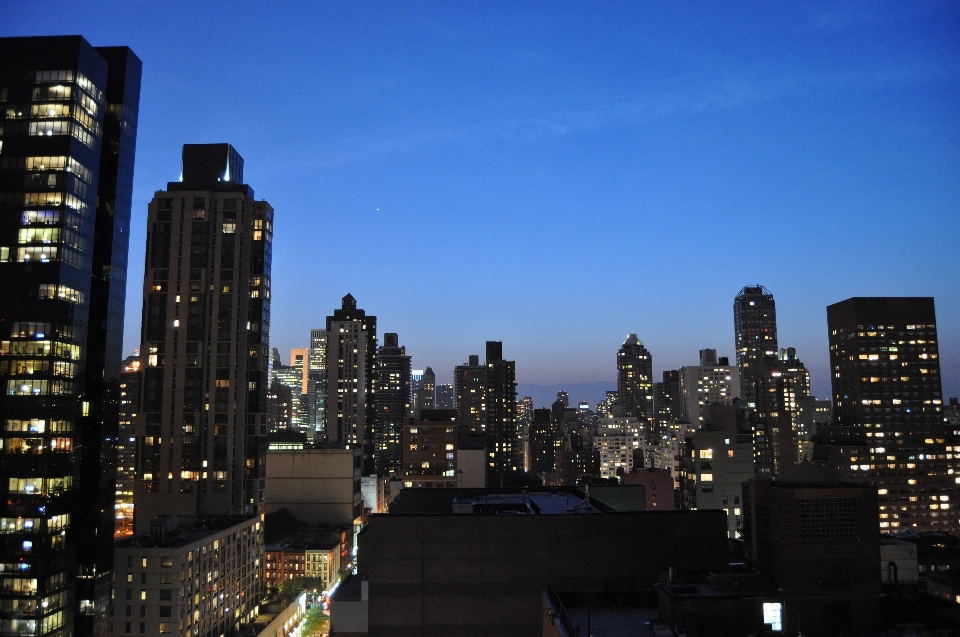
[556,175]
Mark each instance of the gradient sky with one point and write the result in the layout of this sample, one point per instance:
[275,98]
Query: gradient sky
[556,175]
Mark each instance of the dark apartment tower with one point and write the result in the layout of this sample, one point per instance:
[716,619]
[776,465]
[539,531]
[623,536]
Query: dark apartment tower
[504,451]
[393,404]
[666,400]
[427,393]
[635,379]
[544,442]
[201,432]
[563,397]
[470,395]
[755,324]
[351,379]
[66,174]
[445,396]
[886,384]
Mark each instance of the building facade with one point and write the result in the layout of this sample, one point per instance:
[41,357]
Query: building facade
[635,379]
[885,366]
[127,444]
[755,327]
[317,485]
[66,177]
[393,404]
[470,394]
[201,431]
[351,378]
[317,379]
[616,441]
[714,380]
[504,451]
[202,583]
[430,457]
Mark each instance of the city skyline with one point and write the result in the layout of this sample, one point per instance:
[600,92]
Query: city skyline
[817,130]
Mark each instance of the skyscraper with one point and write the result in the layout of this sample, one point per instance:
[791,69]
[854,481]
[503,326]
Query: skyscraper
[755,324]
[666,401]
[635,379]
[885,376]
[470,394]
[202,428]
[426,397]
[504,453]
[393,404]
[351,378]
[127,444]
[66,176]
[317,379]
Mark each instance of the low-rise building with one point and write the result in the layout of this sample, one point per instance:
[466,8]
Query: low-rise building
[205,581]
[658,483]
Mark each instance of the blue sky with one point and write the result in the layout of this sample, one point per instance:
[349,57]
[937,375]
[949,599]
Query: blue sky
[557,175]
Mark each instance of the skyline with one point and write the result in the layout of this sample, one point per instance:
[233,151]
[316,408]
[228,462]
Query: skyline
[634,157]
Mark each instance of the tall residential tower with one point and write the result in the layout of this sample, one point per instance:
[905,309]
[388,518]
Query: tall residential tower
[755,325]
[351,379]
[204,350]
[635,379]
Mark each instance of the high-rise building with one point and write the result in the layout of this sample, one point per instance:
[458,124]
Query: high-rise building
[201,431]
[504,453]
[127,444]
[885,377]
[544,442]
[470,395]
[666,400]
[66,174]
[714,380]
[610,406]
[351,378]
[563,397]
[635,379]
[445,396]
[393,404]
[755,325]
[317,379]
[778,434]
[426,396]
[291,377]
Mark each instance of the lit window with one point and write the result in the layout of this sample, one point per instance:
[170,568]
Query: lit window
[773,615]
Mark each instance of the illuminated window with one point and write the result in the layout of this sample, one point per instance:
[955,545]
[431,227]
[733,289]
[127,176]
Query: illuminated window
[773,615]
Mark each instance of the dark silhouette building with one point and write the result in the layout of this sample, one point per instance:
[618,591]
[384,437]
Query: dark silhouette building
[393,404]
[351,379]
[544,443]
[127,444]
[666,401]
[427,392]
[635,379]
[201,432]
[504,451]
[755,324]
[885,376]
[66,175]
